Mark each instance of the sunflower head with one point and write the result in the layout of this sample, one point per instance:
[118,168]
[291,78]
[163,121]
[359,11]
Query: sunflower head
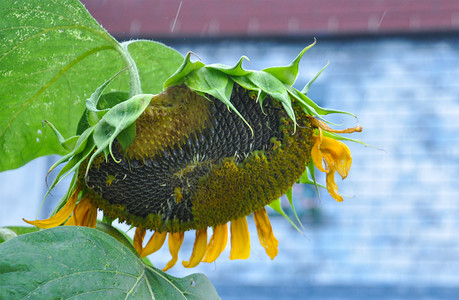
[219,144]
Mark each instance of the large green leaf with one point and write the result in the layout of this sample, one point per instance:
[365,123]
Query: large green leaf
[53,56]
[81,262]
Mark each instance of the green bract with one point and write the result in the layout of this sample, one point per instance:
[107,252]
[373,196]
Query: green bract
[218,80]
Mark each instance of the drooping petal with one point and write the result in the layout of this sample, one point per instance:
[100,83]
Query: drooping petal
[84,214]
[154,244]
[199,249]
[324,126]
[336,156]
[316,153]
[332,188]
[175,242]
[138,239]
[339,153]
[60,216]
[91,221]
[70,221]
[217,243]
[265,233]
[240,239]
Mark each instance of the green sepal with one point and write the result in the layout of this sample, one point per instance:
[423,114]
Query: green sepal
[343,138]
[94,113]
[288,74]
[69,143]
[289,195]
[106,101]
[276,205]
[127,136]
[273,87]
[305,90]
[185,68]
[314,109]
[236,70]
[117,119]
[70,167]
[79,147]
[67,195]
[210,81]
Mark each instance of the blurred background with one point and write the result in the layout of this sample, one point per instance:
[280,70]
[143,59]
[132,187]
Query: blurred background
[394,64]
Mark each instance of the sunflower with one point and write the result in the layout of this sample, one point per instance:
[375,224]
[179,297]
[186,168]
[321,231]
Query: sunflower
[218,144]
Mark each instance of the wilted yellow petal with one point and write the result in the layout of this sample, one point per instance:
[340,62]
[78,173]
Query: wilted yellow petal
[265,233]
[138,239]
[91,220]
[240,239]
[332,188]
[339,154]
[316,153]
[84,214]
[217,243]
[70,221]
[154,244]
[60,216]
[324,126]
[199,249]
[175,242]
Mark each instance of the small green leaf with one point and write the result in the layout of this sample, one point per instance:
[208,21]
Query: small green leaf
[276,205]
[71,261]
[288,74]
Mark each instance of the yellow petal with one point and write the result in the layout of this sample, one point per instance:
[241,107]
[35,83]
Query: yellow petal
[138,239]
[199,249]
[60,216]
[240,239]
[217,243]
[154,244]
[324,126]
[316,153]
[340,155]
[265,233]
[175,242]
[84,214]
[332,188]
[91,221]
[70,221]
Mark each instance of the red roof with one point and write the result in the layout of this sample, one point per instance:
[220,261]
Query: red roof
[204,18]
